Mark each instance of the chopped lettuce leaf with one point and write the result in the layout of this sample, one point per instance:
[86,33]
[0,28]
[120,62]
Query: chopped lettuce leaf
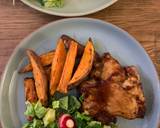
[81,119]
[81,98]
[82,116]
[41,2]
[49,117]
[52,125]
[61,103]
[56,104]
[34,124]
[30,109]
[37,123]
[94,124]
[68,103]
[85,121]
[27,125]
[59,112]
[40,111]
[74,104]
[53,3]
[64,102]
[81,123]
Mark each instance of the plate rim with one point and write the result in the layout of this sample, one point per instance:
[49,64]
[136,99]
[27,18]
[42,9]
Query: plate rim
[68,14]
[24,41]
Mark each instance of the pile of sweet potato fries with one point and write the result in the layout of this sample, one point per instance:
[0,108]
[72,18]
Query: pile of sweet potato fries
[57,70]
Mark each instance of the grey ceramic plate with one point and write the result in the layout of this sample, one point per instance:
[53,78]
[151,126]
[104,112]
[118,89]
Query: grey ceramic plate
[72,7]
[106,37]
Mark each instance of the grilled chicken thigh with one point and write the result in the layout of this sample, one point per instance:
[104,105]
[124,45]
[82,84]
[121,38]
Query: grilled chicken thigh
[117,93]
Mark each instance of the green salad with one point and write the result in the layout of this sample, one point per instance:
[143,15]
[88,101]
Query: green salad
[64,110]
[51,3]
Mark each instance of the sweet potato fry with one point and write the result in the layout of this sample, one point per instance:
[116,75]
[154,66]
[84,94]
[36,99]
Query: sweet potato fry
[67,41]
[40,77]
[46,59]
[68,68]
[30,90]
[85,64]
[57,66]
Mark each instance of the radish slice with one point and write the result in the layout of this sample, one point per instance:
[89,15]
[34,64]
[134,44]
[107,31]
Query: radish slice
[70,123]
[66,121]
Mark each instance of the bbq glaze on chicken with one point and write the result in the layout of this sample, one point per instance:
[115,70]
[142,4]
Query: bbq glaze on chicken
[113,91]
[108,68]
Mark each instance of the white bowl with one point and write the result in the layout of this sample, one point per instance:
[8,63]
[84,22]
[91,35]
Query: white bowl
[72,7]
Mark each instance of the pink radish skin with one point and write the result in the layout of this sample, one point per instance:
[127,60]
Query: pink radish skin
[29,118]
[66,121]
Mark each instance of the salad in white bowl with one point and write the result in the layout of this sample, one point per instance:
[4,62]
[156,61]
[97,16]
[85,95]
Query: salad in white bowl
[51,3]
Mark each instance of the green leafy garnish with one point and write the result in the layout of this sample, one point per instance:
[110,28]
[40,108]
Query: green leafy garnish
[41,2]
[52,125]
[94,124]
[30,109]
[82,116]
[56,104]
[64,102]
[49,117]
[53,3]
[80,123]
[27,125]
[82,119]
[61,104]
[81,98]
[68,103]
[40,111]
[37,123]
[74,104]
